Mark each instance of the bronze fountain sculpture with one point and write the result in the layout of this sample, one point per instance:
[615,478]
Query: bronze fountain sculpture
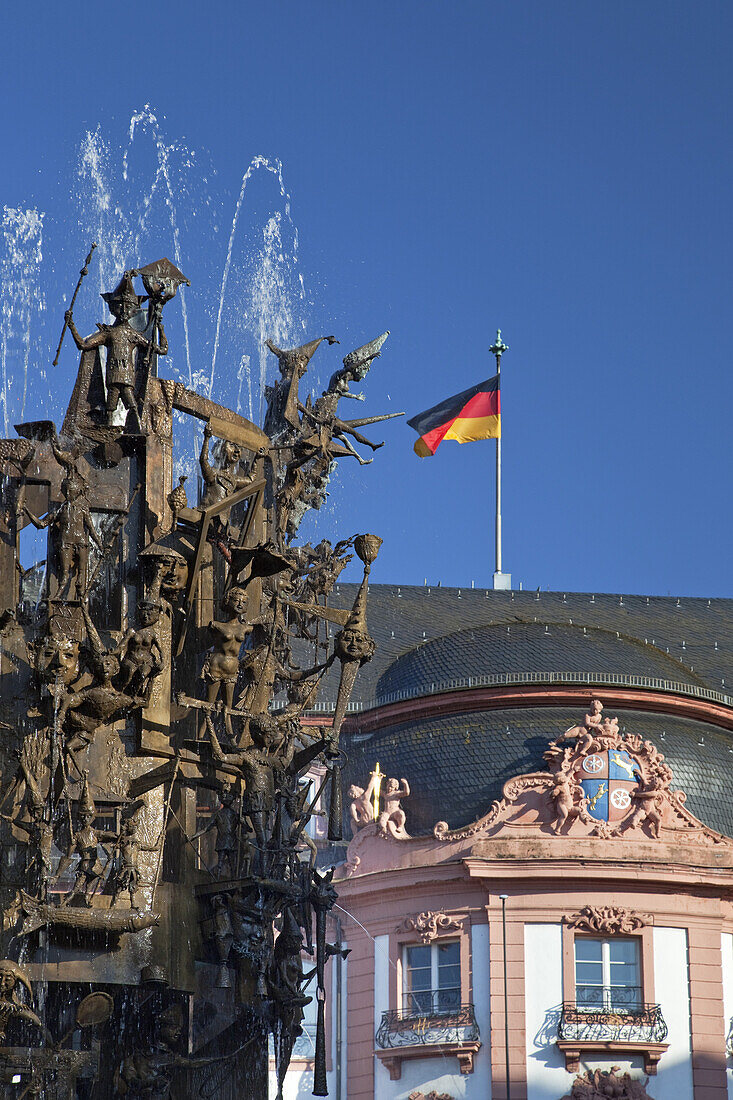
[159,890]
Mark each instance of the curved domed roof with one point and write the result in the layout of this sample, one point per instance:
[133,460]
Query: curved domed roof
[522,647]
[457,764]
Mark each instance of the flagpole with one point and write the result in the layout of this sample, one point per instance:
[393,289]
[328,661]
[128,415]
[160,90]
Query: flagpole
[501,580]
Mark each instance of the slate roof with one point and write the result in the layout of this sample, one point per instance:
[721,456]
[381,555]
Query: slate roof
[693,636]
[529,647]
[457,765]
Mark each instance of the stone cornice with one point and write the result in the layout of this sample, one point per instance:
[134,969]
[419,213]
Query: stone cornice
[509,696]
[401,884]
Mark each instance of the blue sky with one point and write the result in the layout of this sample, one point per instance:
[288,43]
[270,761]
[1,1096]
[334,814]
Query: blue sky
[560,170]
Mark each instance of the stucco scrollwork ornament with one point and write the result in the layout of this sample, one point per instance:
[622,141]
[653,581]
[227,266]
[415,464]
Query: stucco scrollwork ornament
[599,1084]
[429,925]
[608,919]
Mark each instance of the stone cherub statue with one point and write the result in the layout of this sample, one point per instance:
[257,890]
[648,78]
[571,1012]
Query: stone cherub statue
[648,799]
[564,796]
[391,817]
[593,726]
[599,1084]
[361,810]
[121,341]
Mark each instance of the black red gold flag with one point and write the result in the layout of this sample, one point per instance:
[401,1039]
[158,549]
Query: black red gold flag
[466,417]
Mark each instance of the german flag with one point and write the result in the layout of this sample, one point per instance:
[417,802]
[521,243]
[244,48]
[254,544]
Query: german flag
[471,415]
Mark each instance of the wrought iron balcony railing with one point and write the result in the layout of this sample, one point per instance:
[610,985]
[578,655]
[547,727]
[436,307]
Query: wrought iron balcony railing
[439,1022]
[618,1022]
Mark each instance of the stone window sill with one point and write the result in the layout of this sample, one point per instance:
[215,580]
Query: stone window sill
[392,1057]
[574,1050]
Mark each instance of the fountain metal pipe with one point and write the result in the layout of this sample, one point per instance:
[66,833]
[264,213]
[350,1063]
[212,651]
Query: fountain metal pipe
[339,1009]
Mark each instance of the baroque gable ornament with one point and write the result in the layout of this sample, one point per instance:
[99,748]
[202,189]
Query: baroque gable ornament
[607,919]
[599,784]
[429,925]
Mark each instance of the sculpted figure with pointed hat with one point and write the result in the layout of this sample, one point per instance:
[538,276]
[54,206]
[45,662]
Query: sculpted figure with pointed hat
[283,396]
[121,341]
[84,843]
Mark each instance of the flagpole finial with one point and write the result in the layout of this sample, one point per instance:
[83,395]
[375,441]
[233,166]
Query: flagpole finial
[499,347]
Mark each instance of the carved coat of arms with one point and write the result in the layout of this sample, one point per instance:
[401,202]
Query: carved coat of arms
[608,779]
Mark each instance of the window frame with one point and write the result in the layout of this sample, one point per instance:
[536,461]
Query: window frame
[606,988]
[434,948]
[575,1050]
[646,958]
[400,940]
[465,1052]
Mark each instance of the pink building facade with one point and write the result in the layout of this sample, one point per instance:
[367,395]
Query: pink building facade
[573,937]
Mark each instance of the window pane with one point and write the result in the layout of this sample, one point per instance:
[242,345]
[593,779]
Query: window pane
[589,996]
[448,1000]
[624,971]
[448,953]
[587,950]
[623,951]
[418,1004]
[418,979]
[449,977]
[607,973]
[624,975]
[417,999]
[418,957]
[588,973]
[624,996]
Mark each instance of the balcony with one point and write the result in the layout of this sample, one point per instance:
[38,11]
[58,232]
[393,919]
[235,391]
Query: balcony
[611,1021]
[432,1022]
